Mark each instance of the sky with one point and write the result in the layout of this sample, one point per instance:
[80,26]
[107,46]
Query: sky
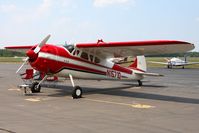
[26,22]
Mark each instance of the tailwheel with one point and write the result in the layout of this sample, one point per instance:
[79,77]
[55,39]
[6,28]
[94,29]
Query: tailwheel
[35,87]
[77,92]
[139,82]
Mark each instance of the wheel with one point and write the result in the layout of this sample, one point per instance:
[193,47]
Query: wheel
[139,82]
[77,92]
[169,66]
[182,67]
[35,88]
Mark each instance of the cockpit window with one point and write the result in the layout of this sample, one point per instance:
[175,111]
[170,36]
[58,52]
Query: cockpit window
[84,55]
[70,48]
[91,57]
[97,60]
[76,52]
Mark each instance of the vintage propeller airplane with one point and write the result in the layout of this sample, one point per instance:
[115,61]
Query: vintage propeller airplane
[175,62]
[92,60]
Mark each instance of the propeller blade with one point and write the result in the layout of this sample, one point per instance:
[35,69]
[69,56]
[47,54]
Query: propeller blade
[42,43]
[167,59]
[36,50]
[27,58]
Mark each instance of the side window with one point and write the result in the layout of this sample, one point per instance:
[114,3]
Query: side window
[97,60]
[76,52]
[84,55]
[87,56]
[91,58]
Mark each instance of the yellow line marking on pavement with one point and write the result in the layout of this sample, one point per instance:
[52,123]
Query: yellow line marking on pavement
[136,87]
[135,105]
[14,89]
[33,99]
[142,106]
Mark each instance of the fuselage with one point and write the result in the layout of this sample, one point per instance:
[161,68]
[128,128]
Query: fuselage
[62,61]
[176,62]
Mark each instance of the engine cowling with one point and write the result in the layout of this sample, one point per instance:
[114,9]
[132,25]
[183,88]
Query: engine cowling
[45,60]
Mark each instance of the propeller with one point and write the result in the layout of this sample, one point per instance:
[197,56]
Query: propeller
[42,43]
[27,58]
[31,53]
[167,59]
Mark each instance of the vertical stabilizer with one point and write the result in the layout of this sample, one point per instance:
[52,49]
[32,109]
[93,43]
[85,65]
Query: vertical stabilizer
[139,63]
[185,58]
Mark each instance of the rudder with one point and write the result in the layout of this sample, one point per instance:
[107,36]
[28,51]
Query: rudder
[139,63]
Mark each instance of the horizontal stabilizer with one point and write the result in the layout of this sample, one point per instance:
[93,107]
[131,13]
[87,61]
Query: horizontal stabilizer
[149,74]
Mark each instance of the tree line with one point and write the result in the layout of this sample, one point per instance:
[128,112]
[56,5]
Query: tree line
[7,53]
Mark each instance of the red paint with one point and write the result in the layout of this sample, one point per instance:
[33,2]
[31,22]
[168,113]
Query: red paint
[134,43]
[31,54]
[52,66]
[45,65]
[121,69]
[134,65]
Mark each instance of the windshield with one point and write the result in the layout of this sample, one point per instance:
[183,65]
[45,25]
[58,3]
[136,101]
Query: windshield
[69,47]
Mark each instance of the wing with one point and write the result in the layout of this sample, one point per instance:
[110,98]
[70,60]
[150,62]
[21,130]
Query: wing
[191,63]
[123,49]
[19,48]
[155,62]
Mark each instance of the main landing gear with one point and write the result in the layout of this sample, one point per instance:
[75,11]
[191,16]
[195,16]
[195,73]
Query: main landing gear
[77,92]
[35,87]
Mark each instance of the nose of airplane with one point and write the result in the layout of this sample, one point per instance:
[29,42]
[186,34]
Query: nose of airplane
[32,55]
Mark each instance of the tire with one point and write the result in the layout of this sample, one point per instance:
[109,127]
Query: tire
[35,88]
[139,82]
[169,66]
[77,92]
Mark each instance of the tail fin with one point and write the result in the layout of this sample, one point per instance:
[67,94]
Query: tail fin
[185,58]
[139,63]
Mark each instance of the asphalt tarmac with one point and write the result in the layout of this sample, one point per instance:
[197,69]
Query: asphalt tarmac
[162,105]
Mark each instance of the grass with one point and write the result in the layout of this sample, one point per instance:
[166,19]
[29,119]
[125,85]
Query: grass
[10,59]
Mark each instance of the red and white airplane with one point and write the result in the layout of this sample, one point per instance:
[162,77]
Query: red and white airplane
[94,60]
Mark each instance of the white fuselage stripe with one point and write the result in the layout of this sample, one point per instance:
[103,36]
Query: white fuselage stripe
[84,64]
